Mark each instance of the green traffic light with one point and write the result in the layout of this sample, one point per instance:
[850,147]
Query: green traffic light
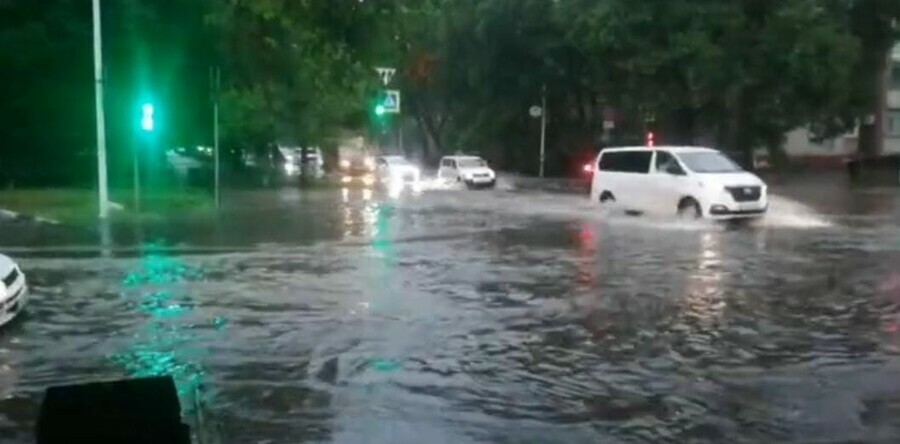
[147,123]
[379,110]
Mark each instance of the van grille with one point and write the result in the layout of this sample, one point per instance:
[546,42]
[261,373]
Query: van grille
[745,194]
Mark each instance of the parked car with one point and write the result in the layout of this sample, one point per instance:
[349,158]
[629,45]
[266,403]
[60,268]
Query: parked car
[472,171]
[687,181]
[396,171]
[13,290]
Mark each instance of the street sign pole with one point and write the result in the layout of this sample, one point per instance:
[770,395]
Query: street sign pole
[102,185]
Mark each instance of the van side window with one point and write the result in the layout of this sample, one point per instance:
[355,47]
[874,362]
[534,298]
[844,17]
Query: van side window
[447,163]
[666,164]
[626,161]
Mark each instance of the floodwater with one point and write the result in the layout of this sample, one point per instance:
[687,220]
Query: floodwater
[505,316]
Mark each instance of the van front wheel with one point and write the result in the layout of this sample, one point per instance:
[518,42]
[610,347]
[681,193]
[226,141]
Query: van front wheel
[688,208]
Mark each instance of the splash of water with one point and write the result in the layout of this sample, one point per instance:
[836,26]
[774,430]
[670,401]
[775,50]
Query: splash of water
[785,212]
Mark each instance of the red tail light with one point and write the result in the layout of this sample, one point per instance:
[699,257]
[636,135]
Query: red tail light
[588,168]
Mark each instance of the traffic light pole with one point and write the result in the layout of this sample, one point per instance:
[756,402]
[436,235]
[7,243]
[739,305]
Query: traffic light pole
[216,80]
[137,177]
[102,185]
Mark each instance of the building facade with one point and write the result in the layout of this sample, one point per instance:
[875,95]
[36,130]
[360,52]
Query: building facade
[800,145]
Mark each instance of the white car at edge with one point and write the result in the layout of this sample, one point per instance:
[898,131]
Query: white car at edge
[687,181]
[13,290]
[472,171]
[396,171]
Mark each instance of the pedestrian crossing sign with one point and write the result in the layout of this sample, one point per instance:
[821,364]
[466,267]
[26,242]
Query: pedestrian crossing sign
[391,101]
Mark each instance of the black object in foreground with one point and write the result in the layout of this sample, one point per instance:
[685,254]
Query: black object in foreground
[132,411]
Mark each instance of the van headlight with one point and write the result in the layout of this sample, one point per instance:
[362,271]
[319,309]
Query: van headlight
[370,163]
[345,164]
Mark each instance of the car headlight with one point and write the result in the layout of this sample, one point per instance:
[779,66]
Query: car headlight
[345,164]
[369,162]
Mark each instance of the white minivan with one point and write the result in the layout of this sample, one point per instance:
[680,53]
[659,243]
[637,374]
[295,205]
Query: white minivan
[687,181]
[473,171]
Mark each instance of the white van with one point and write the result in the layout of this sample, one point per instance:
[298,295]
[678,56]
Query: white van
[687,181]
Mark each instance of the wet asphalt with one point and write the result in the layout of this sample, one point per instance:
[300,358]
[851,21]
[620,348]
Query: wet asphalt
[517,315]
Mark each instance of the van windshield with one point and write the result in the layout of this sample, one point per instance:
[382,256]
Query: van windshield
[708,162]
[471,163]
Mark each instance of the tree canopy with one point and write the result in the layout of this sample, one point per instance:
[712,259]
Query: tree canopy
[735,73]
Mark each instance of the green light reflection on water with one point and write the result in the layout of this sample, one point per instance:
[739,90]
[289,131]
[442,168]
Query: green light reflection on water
[384,247]
[167,343]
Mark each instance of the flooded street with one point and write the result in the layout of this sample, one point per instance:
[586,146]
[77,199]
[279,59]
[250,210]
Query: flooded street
[514,316]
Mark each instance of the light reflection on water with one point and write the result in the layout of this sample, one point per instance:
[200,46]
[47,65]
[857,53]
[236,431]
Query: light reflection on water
[705,301]
[169,341]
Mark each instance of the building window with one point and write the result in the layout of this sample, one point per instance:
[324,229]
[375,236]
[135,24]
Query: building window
[895,76]
[892,128]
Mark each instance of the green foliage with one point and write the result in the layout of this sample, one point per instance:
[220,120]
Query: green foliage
[295,70]
[737,73]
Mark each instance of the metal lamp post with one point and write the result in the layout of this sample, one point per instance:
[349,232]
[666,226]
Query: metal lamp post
[102,185]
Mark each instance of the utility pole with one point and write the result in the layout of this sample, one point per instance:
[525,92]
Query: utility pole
[216,77]
[102,185]
[543,126]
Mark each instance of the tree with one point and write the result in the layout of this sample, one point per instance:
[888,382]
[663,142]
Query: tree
[741,73]
[875,24]
[295,71]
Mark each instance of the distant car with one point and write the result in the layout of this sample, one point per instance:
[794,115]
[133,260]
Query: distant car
[13,290]
[687,181]
[396,171]
[472,171]
[293,161]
